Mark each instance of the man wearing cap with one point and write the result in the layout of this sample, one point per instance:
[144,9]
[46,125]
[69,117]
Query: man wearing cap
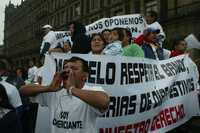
[151,46]
[51,44]
[152,21]
[48,39]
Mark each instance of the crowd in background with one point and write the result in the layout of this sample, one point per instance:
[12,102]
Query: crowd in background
[116,42]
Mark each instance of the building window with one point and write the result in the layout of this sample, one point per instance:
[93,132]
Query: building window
[171,8]
[62,17]
[137,6]
[118,11]
[171,4]
[71,13]
[183,2]
[106,3]
[77,9]
[94,5]
[151,6]
[67,15]
[58,19]
[115,1]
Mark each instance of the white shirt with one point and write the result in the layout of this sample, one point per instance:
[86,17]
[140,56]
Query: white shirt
[13,94]
[13,97]
[166,53]
[114,48]
[31,73]
[50,37]
[90,53]
[67,39]
[38,74]
[69,114]
[55,39]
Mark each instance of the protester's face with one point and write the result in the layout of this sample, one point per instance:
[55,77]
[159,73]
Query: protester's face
[106,35]
[71,29]
[150,19]
[152,37]
[114,36]
[78,73]
[182,46]
[126,39]
[97,44]
[30,64]
[19,72]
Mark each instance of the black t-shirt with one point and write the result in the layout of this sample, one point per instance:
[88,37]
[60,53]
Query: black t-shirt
[81,44]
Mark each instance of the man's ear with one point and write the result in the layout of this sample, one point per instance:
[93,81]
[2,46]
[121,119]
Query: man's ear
[85,76]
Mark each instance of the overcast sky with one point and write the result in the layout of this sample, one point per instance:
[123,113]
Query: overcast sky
[3,3]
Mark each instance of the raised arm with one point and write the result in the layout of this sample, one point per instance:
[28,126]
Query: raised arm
[34,89]
[97,99]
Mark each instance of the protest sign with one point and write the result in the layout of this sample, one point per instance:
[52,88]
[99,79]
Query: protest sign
[63,37]
[134,22]
[145,95]
[192,42]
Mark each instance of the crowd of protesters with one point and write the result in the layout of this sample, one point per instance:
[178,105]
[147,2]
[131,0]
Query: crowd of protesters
[114,42]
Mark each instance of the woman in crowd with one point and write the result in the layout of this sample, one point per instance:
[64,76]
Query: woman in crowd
[97,44]
[115,47]
[80,40]
[180,47]
[106,35]
[131,49]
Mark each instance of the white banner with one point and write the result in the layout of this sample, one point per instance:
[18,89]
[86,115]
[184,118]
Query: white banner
[63,37]
[145,95]
[135,22]
[192,42]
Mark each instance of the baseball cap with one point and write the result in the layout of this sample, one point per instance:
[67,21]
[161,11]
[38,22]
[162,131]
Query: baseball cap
[151,30]
[47,26]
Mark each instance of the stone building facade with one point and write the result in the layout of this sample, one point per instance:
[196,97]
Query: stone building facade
[23,23]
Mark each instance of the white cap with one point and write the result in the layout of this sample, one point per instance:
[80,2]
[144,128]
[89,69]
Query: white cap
[47,26]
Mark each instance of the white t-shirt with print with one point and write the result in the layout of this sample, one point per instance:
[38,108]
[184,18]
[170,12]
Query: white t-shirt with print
[38,73]
[114,48]
[50,37]
[69,114]
[31,73]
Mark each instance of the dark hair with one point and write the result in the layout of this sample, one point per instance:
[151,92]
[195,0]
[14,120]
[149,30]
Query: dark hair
[78,27]
[128,33]
[101,36]
[119,32]
[177,39]
[19,68]
[84,63]
[153,14]
[105,31]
